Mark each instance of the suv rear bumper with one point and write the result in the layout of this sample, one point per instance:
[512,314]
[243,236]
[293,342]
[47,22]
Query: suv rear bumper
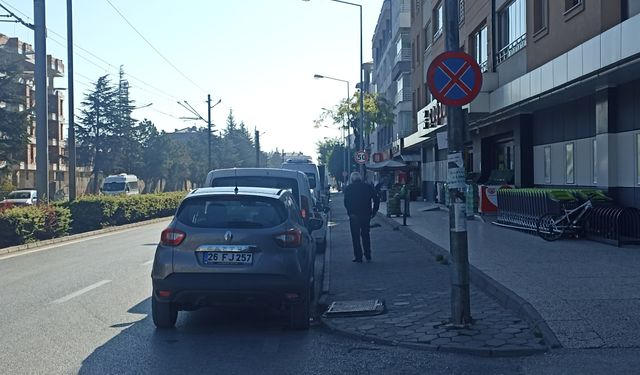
[194,290]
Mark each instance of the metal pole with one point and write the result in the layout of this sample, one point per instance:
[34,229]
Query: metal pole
[257,148]
[208,132]
[71,142]
[42,132]
[460,300]
[362,146]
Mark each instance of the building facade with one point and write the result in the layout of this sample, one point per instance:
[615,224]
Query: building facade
[559,106]
[23,174]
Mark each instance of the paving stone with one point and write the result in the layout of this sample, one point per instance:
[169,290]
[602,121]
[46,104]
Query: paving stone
[449,334]
[405,332]
[511,330]
[469,332]
[441,341]
[496,342]
[517,341]
[427,338]
[366,327]
[503,336]
[461,339]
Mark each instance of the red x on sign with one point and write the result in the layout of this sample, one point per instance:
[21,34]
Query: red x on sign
[454,78]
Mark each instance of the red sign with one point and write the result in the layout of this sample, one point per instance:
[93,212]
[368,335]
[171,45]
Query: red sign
[454,78]
[361,157]
[378,157]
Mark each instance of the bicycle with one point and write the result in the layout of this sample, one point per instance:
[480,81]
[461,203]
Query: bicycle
[552,226]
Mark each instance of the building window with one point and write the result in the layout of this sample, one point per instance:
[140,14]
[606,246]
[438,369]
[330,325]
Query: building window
[461,12]
[481,47]
[438,20]
[595,161]
[547,165]
[569,157]
[540,16]
[512,29]
[638,158]
[570,4]
[427,36]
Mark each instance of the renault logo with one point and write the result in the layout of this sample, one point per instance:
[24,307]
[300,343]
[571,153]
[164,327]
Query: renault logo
[228,236]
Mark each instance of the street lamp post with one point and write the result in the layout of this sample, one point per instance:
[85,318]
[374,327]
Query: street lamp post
[361,75]
[189,108]
[347,142]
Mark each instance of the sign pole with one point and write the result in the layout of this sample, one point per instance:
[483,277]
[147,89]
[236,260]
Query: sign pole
[460,298]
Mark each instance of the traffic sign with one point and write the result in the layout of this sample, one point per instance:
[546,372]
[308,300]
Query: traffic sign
[361,157]
[454,78]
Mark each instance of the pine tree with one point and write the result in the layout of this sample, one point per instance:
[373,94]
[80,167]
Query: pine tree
[97,127]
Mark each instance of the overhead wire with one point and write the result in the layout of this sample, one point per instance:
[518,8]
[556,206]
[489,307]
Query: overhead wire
[154,48]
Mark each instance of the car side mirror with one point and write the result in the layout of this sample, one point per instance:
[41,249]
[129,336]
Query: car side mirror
[315,224]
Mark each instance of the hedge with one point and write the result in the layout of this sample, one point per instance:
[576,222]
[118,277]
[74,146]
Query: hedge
[99,211]
[19,225]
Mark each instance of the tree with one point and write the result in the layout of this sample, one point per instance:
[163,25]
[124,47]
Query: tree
[97,126]
[377,112]
[127,135]
[325,148]
[14,120]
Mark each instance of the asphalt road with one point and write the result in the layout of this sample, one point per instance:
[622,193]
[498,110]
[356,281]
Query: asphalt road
[83,307]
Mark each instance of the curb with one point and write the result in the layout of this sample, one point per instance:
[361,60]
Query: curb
[425,347]
[505,296]
[53,241]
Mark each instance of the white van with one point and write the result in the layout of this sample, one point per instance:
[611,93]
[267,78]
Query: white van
[120,184]
[307,167]
[295,181]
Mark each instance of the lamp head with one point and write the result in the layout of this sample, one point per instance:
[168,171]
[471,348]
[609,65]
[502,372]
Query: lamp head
[316,76]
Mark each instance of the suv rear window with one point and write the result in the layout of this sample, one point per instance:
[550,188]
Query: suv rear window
[232,211]
[259,181]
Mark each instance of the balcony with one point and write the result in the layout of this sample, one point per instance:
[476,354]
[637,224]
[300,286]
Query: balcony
[402,96]
[55,67]
[403,55]
[512,48]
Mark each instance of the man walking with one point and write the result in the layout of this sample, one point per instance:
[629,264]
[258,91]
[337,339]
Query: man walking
[358,198]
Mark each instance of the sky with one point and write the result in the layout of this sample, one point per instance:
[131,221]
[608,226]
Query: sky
[257,56]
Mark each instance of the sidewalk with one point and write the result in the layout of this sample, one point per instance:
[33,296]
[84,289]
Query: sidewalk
[416,289]
[587,292]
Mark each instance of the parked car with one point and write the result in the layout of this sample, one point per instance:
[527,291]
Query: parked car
[21,198]
[235,246]
[295,181]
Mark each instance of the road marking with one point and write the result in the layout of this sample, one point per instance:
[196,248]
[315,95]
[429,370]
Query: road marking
[147,263]
[81,291]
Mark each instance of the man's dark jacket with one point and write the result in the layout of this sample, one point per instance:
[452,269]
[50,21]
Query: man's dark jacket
[358,197]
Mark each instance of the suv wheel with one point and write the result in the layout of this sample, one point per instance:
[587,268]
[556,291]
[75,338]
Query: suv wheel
[300,313]
[164,314]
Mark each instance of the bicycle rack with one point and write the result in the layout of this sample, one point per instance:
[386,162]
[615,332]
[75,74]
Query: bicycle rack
[614,225]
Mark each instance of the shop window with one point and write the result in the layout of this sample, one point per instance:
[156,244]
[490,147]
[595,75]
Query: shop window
[547,165]
[570,170]
[595,161]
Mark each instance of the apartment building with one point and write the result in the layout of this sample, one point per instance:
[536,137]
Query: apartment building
[24,173]
[391,74]
[559,106]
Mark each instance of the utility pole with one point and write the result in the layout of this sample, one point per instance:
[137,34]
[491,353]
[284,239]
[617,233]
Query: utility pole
[257,148]
[42,132]
[71,141]
[208,133]
[460,299]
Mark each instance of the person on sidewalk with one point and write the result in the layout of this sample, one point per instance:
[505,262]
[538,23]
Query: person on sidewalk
[358,200]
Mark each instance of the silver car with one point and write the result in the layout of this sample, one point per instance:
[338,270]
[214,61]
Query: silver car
[235,246]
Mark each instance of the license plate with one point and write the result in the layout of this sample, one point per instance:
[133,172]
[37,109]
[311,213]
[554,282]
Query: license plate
[222,257]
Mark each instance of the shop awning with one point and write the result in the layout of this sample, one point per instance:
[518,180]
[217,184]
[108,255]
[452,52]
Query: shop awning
[410,157]
[387,165]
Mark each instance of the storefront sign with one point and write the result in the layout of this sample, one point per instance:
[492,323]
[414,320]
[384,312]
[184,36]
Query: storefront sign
[396,147]
[378,157]
[431,117]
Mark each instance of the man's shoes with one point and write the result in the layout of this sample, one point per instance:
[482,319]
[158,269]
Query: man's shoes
[368,259]
[357,260]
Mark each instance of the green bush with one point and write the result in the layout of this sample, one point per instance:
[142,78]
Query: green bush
[19,225]
[99,211]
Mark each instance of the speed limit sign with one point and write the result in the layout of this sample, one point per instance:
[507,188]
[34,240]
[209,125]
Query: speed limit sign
[361,157]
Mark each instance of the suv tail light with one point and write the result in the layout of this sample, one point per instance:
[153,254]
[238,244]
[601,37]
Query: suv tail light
[304,211]
[290,238]
[172,237]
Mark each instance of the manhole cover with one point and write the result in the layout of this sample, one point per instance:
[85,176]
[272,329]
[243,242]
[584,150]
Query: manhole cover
[355,308]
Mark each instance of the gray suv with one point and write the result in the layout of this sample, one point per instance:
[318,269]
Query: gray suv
[235,246]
